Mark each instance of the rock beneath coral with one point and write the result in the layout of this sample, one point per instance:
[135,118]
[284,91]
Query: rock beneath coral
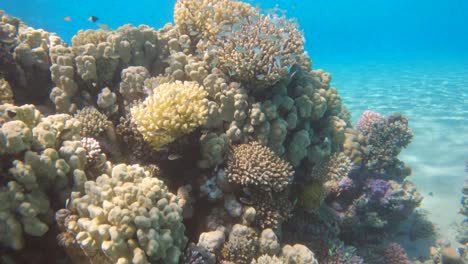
[298,254]
[212,240]
[269,243]
[232,206]
[451,256]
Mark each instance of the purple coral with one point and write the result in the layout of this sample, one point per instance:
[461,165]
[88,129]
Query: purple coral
[378,190]
[346,183]
[395,254]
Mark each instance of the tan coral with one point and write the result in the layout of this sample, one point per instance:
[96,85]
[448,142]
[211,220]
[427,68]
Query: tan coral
[258,51]
[254,165]
[206,18]
[6,93]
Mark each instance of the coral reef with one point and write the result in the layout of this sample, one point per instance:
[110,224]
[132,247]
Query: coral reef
[395,254]
[209,141]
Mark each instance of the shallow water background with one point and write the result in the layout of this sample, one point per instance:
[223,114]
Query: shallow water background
[408,56]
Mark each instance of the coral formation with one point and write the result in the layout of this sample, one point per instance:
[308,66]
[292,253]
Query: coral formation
[173,110]
[128,216]
[93,122]
[395,254]
[6,94]
[222,109]
[42,163]
[256,166]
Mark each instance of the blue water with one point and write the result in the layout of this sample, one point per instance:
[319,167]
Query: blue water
[335,30]
[409,56]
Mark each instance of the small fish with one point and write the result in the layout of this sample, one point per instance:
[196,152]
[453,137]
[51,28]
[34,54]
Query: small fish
[174,156]
[148,91]
[278,62]
[292,74]
[93,19]
[67,18]
[431,194]
[160,131]
[104,26]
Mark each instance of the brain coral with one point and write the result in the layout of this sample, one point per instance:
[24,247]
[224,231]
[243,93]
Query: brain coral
[173,110]
[130,217]
[254,165]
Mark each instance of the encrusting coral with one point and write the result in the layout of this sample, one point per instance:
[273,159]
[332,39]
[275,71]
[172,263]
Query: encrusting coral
[173,110]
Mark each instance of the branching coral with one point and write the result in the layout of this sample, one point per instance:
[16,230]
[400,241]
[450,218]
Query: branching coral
[272,208]
[256,166]
[385,137]
[258,50]
[242,245]
[93,122]
[174,109]
[205,19]
[324,179]
[395,254]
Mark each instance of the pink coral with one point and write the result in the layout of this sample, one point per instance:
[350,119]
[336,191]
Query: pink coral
[366,121]
[395,254]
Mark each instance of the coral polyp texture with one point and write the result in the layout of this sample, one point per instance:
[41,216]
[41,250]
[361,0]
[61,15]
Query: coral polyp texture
[205,19]
[174,109]
[128,216]
[214,130]
[256,166]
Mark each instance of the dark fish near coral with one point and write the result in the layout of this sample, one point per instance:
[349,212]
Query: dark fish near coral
[93,19]
[160,131]
[11,113]
[245,201]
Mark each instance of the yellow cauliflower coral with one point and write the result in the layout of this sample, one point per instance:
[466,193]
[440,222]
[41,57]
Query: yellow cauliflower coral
[174,109]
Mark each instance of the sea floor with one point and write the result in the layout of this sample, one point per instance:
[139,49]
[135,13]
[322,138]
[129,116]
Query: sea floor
[434,96]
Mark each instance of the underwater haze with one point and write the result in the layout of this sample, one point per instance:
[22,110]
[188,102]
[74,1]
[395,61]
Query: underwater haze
[388,184]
